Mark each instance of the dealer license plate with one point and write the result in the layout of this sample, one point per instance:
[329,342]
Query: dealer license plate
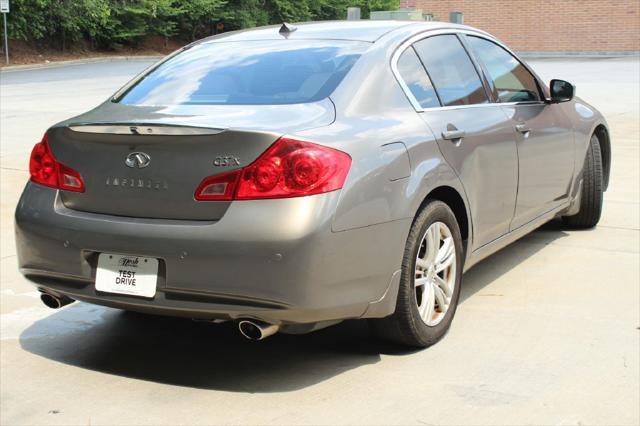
[132,275]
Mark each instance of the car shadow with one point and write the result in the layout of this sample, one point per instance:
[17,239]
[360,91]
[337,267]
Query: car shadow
[201,355]
[501,262]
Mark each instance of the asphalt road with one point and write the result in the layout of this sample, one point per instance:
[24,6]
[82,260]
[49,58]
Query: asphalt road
[548,330]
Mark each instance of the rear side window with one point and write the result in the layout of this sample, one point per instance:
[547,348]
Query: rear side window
[452,72]
[247,73]
[513,82]
[415,77]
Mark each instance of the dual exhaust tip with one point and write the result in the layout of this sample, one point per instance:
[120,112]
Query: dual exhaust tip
[55,302]
[252,330]
[256,330]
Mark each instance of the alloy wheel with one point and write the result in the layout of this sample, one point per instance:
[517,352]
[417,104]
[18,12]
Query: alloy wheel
[435,273]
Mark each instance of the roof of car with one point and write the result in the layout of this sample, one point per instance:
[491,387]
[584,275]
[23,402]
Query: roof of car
[363,30]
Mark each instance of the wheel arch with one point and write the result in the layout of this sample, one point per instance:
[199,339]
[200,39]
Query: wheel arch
[602,133]
[455,201]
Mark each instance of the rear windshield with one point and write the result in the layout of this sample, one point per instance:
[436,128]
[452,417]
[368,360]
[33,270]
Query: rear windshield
[247,73]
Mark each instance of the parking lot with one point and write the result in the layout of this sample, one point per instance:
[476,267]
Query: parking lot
[547,332]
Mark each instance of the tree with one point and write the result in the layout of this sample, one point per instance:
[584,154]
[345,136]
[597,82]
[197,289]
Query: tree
[110,23]
[241,14]
[290,11]
[28,20]
[129,22]
[198,16]
[162,18]
[71,20]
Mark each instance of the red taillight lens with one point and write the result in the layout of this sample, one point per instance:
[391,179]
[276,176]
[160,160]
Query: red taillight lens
[289,168]
[45,170]
[42,165]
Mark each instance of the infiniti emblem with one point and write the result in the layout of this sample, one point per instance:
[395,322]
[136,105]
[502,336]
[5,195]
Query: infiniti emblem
[138,160]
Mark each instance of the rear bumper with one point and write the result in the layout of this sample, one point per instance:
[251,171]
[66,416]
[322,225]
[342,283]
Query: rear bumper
[273,260]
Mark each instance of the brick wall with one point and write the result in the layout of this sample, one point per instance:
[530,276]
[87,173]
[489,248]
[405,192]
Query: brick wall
[548,25]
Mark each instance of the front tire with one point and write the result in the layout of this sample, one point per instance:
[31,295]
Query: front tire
[430,281]
[591,196]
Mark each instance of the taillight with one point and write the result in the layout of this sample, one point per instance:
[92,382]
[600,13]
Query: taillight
[45,170]
[69,179]
[289,168]
[42,165]
[218,187]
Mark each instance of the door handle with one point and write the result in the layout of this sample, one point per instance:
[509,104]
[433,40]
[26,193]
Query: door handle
[453,135]
[523,128]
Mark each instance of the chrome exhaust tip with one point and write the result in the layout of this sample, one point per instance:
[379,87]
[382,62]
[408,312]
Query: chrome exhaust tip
[55,302]
[254,330]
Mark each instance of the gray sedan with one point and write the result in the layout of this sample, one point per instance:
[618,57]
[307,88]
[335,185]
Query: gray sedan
[290,177]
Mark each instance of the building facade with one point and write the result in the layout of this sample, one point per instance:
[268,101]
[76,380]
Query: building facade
[550,26]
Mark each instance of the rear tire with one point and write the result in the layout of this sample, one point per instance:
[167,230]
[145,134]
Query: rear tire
[591,194]
[430,281]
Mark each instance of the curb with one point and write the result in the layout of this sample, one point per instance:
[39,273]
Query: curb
[58,64]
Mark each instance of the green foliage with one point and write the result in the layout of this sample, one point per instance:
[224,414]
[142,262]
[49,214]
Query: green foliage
[197,17]
[28,19]
[162,17]
[95,19]
[110,23]
[247,14]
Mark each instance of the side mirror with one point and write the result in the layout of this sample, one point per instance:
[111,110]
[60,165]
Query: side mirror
[561,91]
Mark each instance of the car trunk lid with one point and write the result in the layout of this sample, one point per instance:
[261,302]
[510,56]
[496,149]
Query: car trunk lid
[141,168]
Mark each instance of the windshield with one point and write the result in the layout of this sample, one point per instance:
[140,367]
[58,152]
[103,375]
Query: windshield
[247,73]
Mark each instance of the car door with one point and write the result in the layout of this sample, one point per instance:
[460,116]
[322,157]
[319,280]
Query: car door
[544,135]
[474,136]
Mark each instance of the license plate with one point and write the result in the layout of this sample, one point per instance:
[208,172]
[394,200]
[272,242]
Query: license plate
[132,275]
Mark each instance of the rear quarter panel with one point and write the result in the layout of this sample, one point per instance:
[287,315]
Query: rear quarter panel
[396,160]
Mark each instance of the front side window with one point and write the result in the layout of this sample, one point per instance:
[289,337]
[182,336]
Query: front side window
[247,73]
[415,77]
[513,82]
[453,74]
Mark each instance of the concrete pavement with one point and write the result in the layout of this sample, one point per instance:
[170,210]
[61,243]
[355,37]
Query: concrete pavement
[548,330]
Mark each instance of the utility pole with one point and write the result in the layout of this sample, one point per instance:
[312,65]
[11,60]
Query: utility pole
[4,9]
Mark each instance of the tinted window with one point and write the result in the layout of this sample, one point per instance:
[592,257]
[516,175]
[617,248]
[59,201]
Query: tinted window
[452,72]
[416,78]
[258,72]
[512,80]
